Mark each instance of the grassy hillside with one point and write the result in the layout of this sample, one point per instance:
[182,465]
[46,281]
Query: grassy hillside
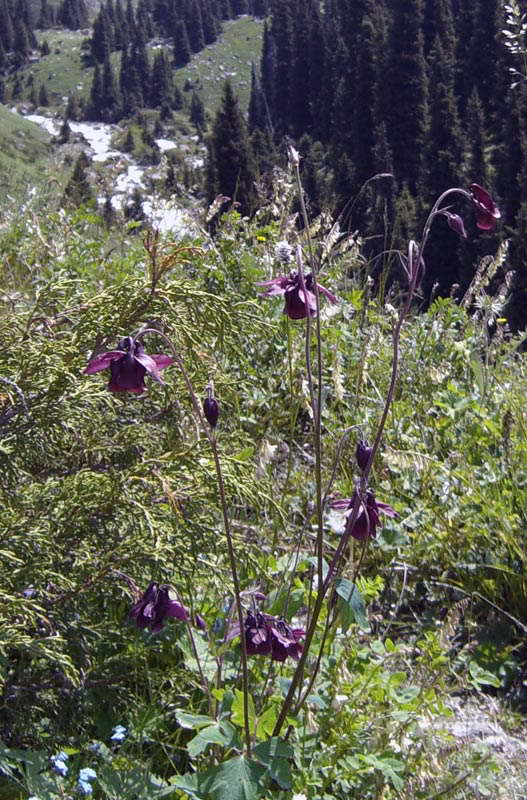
[24,152]
[63,71]
[230,57]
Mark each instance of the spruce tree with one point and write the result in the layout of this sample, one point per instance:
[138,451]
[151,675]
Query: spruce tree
[404,99]
[78,190]
[7,31]
[476,141]
[182,52]
[161,81]
[230,164]
[197,112]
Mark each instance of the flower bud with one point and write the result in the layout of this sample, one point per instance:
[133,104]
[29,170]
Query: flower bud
[211,409]
[455,223]
[362,454]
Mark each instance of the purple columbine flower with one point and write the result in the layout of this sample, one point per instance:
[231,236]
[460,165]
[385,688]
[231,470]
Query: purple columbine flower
[362,454]
[368,518]
[299,303]
[155,606]
[128,366]
[266,635]
[487,214]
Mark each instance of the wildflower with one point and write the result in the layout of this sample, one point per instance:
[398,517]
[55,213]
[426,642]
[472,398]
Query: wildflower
[154,606]
[85,776]
[299,302]
[267,635]
[118,733]
[455,223]
[368,518]
[486,211]
[128,366]
[211,408]
[58,763]
[362,453]
[200,622]
[283,252]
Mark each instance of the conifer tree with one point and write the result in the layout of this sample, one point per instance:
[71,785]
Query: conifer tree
[404,99]
[197,112]
[182,52]
[78,190]
[43,98]
[194,25]
[282,31]
[230,165]
[268,70]
[110,96]
[161,81]
[476,141]
[7,31]
[445,146]
[258,115]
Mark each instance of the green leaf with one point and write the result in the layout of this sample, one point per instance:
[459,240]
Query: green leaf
[274,753]
[237,711]
[482,677]
[222,733]
[235,779]
[351,604]
[266,722]
[193,721]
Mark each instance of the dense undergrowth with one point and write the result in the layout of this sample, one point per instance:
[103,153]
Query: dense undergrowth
[103,493]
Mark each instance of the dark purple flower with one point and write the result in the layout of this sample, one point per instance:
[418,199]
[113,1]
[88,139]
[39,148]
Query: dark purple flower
[368,518]
[486,211]
[267,635]
[455,223]
[154,606]
[211,408]
[299,303]
[362,454]
[128,366]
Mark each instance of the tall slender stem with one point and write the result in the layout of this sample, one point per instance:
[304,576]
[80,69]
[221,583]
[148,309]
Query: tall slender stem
[226,525]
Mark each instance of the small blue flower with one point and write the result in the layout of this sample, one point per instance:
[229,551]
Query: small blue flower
[85,776]
[95,747]
[58,763]
[118,733]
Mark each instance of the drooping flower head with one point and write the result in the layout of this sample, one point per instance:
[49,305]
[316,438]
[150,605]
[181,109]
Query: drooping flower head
[267,635]
[299,302]
[155,606]
[128,366]
[368,518]
[487,213]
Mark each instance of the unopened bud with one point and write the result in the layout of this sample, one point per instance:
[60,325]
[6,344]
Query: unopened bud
[211,409]
[362,454]
[456,223]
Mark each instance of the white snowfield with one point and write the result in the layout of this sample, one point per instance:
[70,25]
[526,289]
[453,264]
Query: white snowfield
[162,213]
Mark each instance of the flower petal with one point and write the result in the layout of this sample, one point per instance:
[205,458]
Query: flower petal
[331,297]
[102,361]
